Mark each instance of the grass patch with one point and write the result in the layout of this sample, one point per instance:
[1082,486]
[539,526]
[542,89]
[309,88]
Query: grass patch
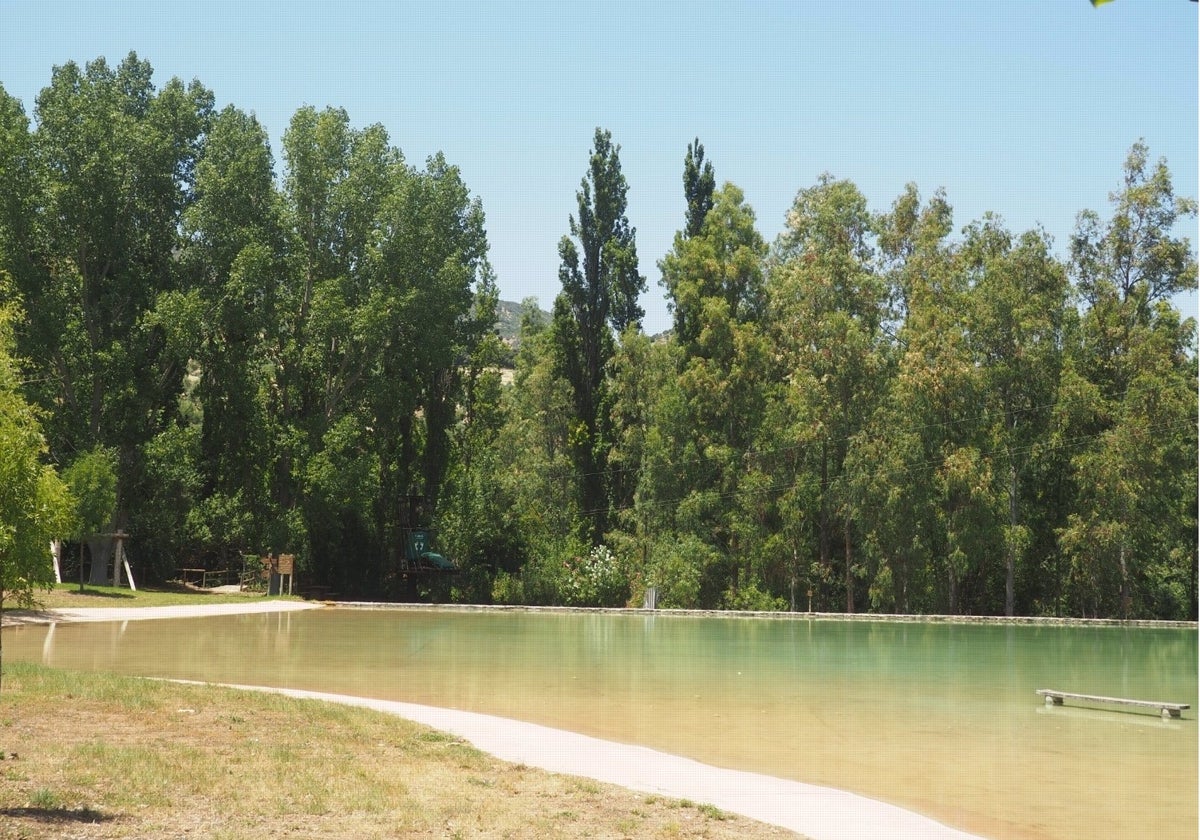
[101,756]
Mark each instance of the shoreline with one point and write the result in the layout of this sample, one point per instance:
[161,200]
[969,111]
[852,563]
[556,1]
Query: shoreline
[73,614]
[819,813]
[897,618]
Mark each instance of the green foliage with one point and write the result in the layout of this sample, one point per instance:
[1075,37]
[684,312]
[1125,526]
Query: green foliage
[92,479]
[749,597]
[600,288]
[596,580]
[1135,411]
[35,505]
[867,413]
[677,568]
[699,181]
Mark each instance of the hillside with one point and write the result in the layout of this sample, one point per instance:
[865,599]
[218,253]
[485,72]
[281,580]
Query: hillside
[508,321]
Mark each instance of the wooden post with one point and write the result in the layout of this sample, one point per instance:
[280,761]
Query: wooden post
[120,561]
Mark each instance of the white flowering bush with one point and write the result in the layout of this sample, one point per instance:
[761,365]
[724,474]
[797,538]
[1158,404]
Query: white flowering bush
[596,580]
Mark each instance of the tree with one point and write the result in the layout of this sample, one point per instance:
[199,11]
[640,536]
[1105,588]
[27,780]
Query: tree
[721,261]
[711,418]
[600,288]
[35,505]
[92,479]
[829,308]
[699,181]
[536,473]
[111,165]
[1130,403]
[1017,310]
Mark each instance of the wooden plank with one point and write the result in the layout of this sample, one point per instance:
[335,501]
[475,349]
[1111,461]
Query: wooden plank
[1057,697]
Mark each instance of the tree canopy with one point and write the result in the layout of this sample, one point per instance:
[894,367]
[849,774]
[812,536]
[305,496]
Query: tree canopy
[228,354]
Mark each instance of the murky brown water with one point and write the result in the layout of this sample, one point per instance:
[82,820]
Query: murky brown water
[938,718]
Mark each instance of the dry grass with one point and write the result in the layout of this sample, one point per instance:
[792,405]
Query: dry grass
[97,756]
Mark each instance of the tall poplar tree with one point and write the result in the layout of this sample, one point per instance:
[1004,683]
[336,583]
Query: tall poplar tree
[699,181]
[600,288]
[112,165]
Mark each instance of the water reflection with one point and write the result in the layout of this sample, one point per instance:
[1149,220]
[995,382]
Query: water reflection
[940,718]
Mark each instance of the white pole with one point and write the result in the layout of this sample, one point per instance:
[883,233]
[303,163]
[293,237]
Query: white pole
[55,553]
[125,563]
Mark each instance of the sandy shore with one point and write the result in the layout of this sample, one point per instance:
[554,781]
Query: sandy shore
[820,813]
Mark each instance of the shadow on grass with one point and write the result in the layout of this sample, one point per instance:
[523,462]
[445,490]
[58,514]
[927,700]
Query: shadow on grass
[96,593]
[57,815]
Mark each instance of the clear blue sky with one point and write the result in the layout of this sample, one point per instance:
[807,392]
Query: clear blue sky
[1022,108]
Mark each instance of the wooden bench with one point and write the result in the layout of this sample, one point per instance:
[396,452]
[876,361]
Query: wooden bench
[1167,709]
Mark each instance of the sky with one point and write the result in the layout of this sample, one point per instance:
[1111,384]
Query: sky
[1022,108]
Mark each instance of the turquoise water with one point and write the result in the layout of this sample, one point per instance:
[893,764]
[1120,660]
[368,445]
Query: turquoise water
[939,718]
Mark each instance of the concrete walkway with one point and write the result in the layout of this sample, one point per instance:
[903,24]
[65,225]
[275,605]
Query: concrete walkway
[818,812]
[146,613]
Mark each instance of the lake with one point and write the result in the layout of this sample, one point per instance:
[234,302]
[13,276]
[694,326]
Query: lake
[940,718]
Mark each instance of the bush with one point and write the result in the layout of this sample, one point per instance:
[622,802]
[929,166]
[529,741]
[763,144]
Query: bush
[596,580]
[750,598]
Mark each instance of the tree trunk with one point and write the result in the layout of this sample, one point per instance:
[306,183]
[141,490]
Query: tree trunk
[1125,598]
[1010,559]
[823,525]
[849,575]
[953,584]
[101,550]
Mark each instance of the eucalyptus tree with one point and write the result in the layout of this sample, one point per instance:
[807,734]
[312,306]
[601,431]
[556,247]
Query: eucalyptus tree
[1129,403]
[829,308]
[715,280]
[1017,309]
[922,469]
[600,289]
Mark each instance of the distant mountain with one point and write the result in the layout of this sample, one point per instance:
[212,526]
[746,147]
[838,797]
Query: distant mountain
[508,321]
